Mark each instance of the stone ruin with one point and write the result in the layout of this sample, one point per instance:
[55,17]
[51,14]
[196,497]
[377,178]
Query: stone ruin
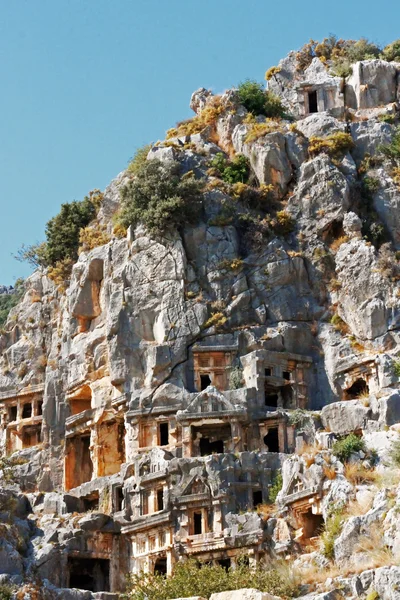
[372,84]
[148,435]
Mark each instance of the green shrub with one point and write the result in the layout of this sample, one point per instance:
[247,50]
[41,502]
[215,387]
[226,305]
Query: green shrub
[335,145]
[8,301]
[345,447]
[232,171]
[372,595]
[139,159]
[190,578]
[160,198]
[62,231]
[276,487]
[62,234]
[339,53]
[371,184]
[373,231]
[331,531]
[236,378]
[259,101]
[283,224]
[362,49]
[300,418]
[392,150]
[396,368]
[6,591]
[392,51]
[395,453]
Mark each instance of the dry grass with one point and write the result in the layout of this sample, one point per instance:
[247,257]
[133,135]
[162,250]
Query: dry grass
[388,479]
[266,511]
[335,245]
[329,472]
[315,575]
[214,108]
[357,509]
[356,474]
[372,545]
[309,452]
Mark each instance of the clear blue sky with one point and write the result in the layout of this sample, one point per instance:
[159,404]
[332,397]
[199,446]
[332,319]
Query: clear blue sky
[86,82]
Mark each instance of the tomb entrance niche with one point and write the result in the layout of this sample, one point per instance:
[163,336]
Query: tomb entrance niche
[80,400]
[356,389]
[211,439]
[271,396]
[312,524]
[160,566]
[312,102]
[92,574]
[271,440]
[78,461]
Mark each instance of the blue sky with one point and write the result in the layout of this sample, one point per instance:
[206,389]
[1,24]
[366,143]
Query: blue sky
[86,82]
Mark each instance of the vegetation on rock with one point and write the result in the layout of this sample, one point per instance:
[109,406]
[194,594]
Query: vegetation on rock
[8,301]
[191,578]
[335,145]
[232,171]
[259,101]
[160,198]
[344,448]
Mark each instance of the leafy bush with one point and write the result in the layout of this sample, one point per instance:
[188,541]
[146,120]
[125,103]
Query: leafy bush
[345,447]
[339,53]
[139,159]
[160,198]
[62,231]
[258,198]
[333,527]
[232,171]
[217,320]
[207,118]
[275,488]
[271,72]
[371,184]
[258,130]
[396,368]
[6,591]
[283,224]
[335,145]
[392,150]
[92,237]
[8,301]
[62,235]
[395,453]
[190,578]
[259,101]
[300,418]
[392,51]
[236,378]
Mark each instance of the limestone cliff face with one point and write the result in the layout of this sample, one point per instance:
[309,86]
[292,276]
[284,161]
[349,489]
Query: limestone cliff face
[127,373]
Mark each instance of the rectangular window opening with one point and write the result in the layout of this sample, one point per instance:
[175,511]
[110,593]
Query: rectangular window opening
[12,413]
[163,432]
[27,411]
[312,102]
[257,498]
[160,499]
[197,523]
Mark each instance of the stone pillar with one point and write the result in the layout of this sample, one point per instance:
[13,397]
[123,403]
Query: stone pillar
[186,440]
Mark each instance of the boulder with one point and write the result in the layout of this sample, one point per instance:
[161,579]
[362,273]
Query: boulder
[344,417]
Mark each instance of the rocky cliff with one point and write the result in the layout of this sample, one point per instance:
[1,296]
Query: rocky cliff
[151,404]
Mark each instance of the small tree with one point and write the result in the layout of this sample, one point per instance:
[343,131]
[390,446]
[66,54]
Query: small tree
[345,447]
[161,198]
[259,101]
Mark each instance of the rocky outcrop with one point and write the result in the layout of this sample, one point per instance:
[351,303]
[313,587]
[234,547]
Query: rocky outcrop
[184,395]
